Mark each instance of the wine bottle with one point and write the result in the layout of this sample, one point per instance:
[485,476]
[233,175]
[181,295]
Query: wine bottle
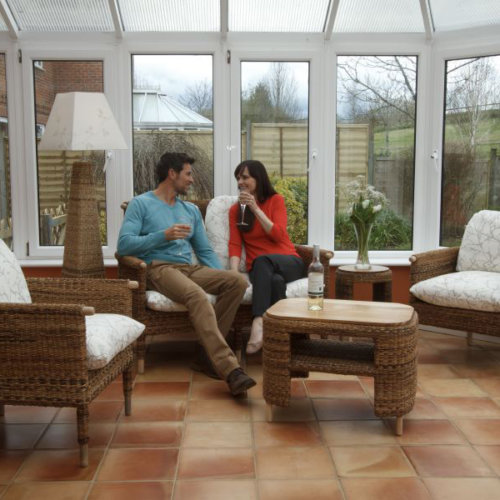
[315,282]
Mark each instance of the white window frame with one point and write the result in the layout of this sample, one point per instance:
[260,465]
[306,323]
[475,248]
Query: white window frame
[53,255]
[291,50]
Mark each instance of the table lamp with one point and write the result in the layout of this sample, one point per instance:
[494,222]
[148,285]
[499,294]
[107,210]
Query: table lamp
[82,121]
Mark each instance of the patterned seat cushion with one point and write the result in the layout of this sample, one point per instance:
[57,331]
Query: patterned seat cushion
[476,290]
[13,286]
[107,335]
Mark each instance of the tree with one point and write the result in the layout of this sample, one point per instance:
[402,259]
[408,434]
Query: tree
[282,88]
[198,97]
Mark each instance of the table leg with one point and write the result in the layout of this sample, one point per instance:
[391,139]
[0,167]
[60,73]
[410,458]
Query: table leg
[269,412]
[382,292]
[399,426]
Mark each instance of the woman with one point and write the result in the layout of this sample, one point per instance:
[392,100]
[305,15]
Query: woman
[271,259]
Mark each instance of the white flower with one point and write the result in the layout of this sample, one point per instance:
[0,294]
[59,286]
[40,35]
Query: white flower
[365,203]
[376,208]
[349,211]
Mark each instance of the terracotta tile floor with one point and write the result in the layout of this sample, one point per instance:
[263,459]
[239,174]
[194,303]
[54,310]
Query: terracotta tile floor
[189,439]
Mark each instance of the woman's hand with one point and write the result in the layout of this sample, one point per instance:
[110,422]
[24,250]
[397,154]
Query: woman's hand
[245,198]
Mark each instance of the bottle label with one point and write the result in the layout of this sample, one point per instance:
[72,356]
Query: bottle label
[315,283]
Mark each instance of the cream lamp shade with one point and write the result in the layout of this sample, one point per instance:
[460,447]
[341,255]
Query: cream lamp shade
[82,121]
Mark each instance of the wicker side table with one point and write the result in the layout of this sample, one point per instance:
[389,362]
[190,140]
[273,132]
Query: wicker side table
[391,358]
[379,276]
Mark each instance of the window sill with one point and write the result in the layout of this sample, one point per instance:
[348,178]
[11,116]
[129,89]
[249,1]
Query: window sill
[392,259]
[110,262]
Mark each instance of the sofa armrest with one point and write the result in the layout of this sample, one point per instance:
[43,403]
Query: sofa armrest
[306,252]
[105,295]
[427,265]
[42,342]
[133,268]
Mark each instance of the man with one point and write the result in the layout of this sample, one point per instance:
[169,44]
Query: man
[161,229]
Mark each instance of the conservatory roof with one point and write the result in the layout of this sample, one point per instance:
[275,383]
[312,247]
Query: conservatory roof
[282,16]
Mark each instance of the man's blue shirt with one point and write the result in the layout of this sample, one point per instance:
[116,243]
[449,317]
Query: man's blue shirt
[143,232]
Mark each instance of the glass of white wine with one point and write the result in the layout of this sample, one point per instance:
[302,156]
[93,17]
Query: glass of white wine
[243,207]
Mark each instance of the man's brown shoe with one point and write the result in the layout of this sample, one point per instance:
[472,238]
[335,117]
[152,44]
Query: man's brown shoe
[239,382]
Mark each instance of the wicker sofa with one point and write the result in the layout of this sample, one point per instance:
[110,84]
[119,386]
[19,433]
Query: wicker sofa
[169,319]
[459,287]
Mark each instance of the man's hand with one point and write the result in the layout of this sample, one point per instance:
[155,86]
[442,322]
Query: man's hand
[177,232]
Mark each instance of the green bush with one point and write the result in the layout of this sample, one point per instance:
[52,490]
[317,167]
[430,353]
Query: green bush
[390,232]
[294,190]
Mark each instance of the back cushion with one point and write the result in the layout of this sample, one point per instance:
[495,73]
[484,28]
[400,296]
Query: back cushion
[13,286]
[217,225]
[480,248]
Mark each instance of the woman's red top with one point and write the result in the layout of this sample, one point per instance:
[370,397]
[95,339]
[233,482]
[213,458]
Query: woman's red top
[257,241]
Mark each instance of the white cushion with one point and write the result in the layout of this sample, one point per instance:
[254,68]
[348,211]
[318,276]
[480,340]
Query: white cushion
[158,302]
[13,286]
[107,335]
[480,247]
[217,225]
[476,290]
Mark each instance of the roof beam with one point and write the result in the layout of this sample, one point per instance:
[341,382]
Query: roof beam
[9,19]
[332,15]
[426,15]
[224,18]
[115,14]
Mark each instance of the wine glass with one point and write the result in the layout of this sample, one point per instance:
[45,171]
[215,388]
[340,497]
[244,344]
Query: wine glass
[183,219]
[242,222]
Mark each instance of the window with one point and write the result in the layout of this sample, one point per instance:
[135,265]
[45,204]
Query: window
[376,109]
[5,199]
[54,167]
[275,131]
[471,149]
[173,111]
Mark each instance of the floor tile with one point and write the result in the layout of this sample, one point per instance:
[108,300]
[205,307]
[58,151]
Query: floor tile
[294,463]
[299,410]
[99,411]
[48,491]
[200,463]
[285,434]
[371,461]
[218,410]
[480,369]
[450,387]
[480,431]
[484,488]
[28,414]
[334,389]
[139,464]
[10,462]
[132,491]
[209,389]
[20,436]
[160,390]
[114,392]
[215,490]
[343,409]
[151,434]
[65,436]
[490,386]
[430,432]
[300,490]
[435,371]
[59,465]
[156,410]
[385,488]
[166,372]
[447,461]
[425,408]
[217,434]
[468,407]
[357,432]
[491,455]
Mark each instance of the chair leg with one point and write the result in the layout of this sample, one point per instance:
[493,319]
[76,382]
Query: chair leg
[141,353]
[128,378]
[2,410]
[82,417]
[470,338]
[399,426]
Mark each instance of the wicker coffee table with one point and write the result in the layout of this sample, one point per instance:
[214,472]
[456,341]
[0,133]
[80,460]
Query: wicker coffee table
[386,349]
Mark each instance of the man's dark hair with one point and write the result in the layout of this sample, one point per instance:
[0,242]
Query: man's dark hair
[174,161]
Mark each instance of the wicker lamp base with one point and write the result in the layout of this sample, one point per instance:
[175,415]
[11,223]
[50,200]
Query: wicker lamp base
[82,245]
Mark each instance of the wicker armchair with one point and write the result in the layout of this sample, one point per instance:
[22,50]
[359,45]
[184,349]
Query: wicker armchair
[176,324]
[434,263]
[43,347]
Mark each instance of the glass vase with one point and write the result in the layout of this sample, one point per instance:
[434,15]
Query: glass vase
[363,232]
